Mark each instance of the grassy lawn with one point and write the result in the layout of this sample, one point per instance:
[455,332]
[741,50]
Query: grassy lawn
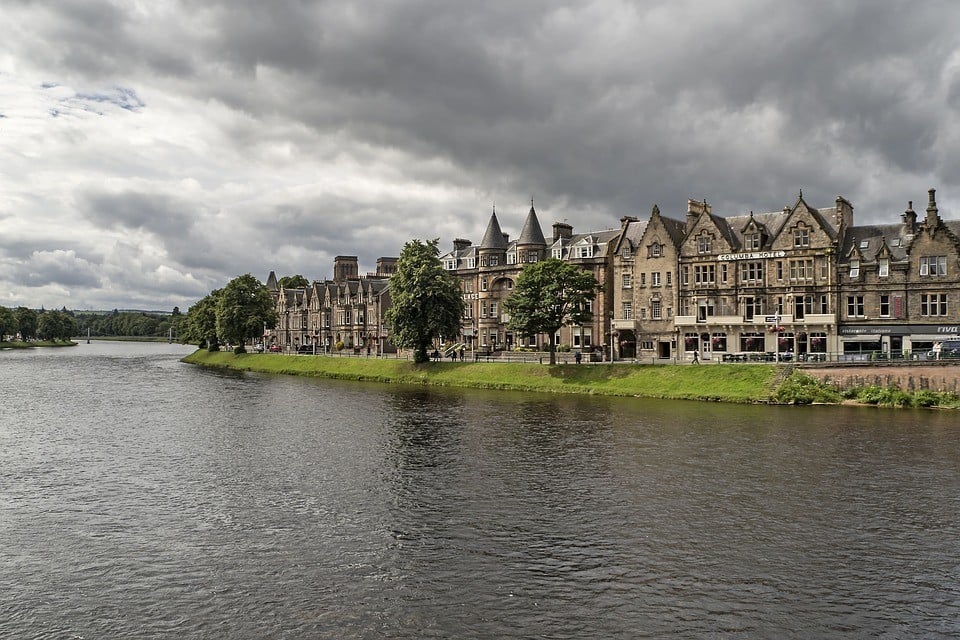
[717,382]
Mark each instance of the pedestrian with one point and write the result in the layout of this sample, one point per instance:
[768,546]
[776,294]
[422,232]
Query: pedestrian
[578,357]
[461,354]
[696,357]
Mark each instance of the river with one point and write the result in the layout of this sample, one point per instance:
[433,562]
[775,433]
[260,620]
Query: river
[141,497]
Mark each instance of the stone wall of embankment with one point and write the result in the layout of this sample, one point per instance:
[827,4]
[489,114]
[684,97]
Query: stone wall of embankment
[932,376]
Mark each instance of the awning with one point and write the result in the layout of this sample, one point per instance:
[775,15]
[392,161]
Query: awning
[863,337]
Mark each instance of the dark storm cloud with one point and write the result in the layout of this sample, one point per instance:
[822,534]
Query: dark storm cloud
[596,109]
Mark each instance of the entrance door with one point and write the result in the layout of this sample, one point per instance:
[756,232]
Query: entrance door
[663,350]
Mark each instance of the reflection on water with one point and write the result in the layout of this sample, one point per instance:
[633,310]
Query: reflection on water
[140,497]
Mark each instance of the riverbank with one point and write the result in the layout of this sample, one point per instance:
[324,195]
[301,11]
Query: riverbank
[736,383]
[37,343]
[718,383]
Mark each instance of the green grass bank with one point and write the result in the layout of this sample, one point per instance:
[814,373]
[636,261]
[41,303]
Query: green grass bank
[37,343]
[720,383]
[755,383]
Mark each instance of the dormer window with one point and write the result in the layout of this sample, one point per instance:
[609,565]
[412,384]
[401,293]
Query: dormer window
[703,243]
[883,267]
[854,268]
[864,244]
[627,252]
[801,238]
[751,241]
[557,253]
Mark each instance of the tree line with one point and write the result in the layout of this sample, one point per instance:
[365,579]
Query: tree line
[29,324]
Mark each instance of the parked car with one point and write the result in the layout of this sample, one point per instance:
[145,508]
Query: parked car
[305,348]
[275,348]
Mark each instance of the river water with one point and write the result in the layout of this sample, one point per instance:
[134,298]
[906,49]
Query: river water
[145,498]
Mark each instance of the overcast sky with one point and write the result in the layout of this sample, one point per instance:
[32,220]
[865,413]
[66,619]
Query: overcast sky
[151,151]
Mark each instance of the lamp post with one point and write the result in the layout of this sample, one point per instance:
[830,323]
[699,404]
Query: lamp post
[776,357]
[611,337]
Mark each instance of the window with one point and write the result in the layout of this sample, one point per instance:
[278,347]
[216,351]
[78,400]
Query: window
[855,307]
[823,306]
[557,253]
[494,261]
[801,238]
[483,308]
[884,305]
[627,252]
[718,342]
[450,265]
[684,276]
[752,307]
[646,345]
[933,265]
[751,241]
[705,274]
[627,313]
[655,249]
[512,257]
[585,252]
[801,269]
[854,268]
[643,313]
[483,284]
[655,310]
[643,279]
[627,280]
[655,279]
[751,271]
[471,263]
[864,244]
[669,279]
[779,270]
[532,256]
[933,304]
[723,273]
[703,243]
[883,267]
[493,309]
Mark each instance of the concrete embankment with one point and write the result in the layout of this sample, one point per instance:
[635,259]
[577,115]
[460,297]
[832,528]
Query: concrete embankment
[940,377]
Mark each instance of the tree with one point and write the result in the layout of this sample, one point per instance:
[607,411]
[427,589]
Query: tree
[201,324]
[8,323]
[548,295]
[56,325]
[293,282]
[426,302]
[27,320]
[244,307]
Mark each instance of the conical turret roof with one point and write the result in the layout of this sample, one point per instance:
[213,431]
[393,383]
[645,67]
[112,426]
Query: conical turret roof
[532,232]
[493,236]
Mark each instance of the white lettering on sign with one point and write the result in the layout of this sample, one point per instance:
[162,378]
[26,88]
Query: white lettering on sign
[753,255]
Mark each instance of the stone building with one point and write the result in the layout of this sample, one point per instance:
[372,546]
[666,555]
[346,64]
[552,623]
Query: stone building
[488,272]
[346,312]
[802,282]
[899,285]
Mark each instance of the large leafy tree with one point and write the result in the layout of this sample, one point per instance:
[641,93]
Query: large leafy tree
[426,302]
[293,282]
[27,320]
[56,325]
[8,323]
[549,295]
[244,307]
[201,324]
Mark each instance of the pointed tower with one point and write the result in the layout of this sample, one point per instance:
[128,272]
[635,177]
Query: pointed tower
[531,245]
[493,248]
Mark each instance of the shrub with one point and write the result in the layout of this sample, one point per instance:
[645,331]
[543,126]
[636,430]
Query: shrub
[926,398]
[339,345]
[239,349]
[800,388]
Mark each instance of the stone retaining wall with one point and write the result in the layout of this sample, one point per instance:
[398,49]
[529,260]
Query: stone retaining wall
[932,376]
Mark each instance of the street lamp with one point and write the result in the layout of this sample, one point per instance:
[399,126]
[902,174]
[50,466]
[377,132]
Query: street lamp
[611,337]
